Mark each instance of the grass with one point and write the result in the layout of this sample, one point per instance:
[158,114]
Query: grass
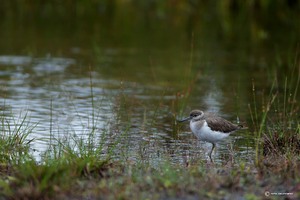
[99,166]
[14,144]
[277,133]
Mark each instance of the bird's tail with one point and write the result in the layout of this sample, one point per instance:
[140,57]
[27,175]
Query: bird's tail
[242,126]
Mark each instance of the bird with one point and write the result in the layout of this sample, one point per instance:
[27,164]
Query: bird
[209,127]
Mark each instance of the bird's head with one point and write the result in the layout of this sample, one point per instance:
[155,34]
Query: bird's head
[194,115]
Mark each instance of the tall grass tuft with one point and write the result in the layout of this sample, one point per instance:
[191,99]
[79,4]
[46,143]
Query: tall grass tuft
[277,127]
[14,142]
[283,136]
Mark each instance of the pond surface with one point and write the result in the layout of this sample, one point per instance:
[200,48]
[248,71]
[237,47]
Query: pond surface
[134,80]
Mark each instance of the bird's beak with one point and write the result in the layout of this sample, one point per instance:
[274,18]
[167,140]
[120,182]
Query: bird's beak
[186,119]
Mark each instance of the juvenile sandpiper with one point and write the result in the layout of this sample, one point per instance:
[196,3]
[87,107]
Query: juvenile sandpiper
[209,127]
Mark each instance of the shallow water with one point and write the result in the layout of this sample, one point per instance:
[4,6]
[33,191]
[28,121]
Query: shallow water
[133,84]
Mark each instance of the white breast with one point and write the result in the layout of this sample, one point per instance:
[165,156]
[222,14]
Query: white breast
[205,133]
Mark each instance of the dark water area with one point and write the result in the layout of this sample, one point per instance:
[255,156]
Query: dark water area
[114,71]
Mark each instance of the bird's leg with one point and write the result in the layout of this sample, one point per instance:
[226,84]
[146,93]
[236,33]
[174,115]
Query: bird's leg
[213,146]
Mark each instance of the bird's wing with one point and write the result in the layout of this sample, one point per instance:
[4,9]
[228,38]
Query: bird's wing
[222,125]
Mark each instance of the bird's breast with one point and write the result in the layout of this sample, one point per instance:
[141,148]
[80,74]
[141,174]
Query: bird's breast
[203,132]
